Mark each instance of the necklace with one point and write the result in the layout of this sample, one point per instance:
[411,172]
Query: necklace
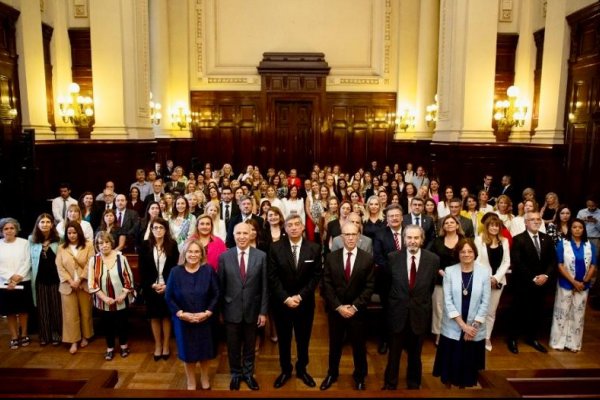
[466,288]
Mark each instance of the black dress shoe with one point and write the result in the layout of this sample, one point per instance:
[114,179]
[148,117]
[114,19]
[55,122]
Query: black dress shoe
[383,348]
[387,386]
[537,345]
[235,383]
[327,382]
[251,382]
[360,385]
[512,346]
[307,379]
[281,380]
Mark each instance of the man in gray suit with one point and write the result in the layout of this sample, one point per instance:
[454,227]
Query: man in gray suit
[243,281]
[364,242]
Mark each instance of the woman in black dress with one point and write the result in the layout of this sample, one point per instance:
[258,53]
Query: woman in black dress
[192,295]
[158,255]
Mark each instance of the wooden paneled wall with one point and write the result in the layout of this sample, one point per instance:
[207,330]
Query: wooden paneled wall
[583,103]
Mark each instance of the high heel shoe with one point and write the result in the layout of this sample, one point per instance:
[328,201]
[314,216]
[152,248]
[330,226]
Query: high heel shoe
[157,357]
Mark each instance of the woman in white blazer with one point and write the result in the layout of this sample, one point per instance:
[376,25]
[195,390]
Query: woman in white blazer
[494,254]
[461,352]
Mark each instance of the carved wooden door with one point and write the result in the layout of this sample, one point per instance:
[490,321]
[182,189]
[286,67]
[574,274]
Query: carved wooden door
[294,135]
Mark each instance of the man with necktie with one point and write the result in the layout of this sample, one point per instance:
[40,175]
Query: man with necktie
[244,301]
[533,261]
[294,272]
[416,217]
[411,273]
[229,208]
[348,283]
[61,203]
[244,214]
[386,240]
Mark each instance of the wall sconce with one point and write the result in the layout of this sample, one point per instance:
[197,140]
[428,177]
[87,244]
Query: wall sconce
[431,113]
[180,115]
[155,114]
[75,109]
[511,112]
[12,114]
[406,118]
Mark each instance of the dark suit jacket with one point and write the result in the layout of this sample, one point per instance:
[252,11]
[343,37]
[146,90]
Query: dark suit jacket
[243,301]
[465,223]
[172,186]
[286,280]
[511,192]
[230,241]
[336,291]
[234,210]
[526,264]
[129,225]
[411,306]
[427,225]
[148,268]
[149,199]
[383,244]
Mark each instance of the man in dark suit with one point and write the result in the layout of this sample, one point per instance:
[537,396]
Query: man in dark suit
[245,213]
[412,274]
[244,301]
[229,208]
[488,186]
[386,240]
[128,221]
[533,261]
[455,205]
[155,195]
[416,217]
[348,283]
[174,186]
[509,190]
[294,272]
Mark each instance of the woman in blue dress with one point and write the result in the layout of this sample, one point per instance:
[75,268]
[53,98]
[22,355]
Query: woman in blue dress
[192,295]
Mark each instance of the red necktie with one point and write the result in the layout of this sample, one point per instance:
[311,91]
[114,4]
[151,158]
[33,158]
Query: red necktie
[397,241]
[242,267]
[347,269]
[413,273]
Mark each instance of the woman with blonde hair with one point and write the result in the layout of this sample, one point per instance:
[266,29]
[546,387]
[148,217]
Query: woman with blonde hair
[192,295]
[550,208]
[504,210]
[373,219]
[213,245]
[72,264]
[219,229]
[74,214]
[494,253]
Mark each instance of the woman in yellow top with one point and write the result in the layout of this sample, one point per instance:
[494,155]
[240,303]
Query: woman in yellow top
[471,210]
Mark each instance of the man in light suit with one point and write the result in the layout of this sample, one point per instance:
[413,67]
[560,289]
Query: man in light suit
[533,261]
[416,217]
[244,297]
[412,274]
[294,272]
[348,283]
[364,242]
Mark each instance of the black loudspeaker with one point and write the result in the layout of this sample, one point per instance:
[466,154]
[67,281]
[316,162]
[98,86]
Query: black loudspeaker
[26,149]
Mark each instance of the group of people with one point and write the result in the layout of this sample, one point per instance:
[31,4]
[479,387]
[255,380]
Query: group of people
[219,253]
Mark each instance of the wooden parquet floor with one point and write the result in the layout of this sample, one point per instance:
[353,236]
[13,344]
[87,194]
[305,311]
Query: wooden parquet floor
[140,371]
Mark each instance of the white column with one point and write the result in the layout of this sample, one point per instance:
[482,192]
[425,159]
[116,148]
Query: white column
[525,66]
[159,61]
[32,77]
[553,86]
[61,66]
[179,62]
[136,68]
[408,47]
[106,37]
[426,76]
[466,70]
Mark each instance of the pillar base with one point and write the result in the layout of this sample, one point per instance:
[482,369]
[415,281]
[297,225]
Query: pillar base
[42,132]
[548,136]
